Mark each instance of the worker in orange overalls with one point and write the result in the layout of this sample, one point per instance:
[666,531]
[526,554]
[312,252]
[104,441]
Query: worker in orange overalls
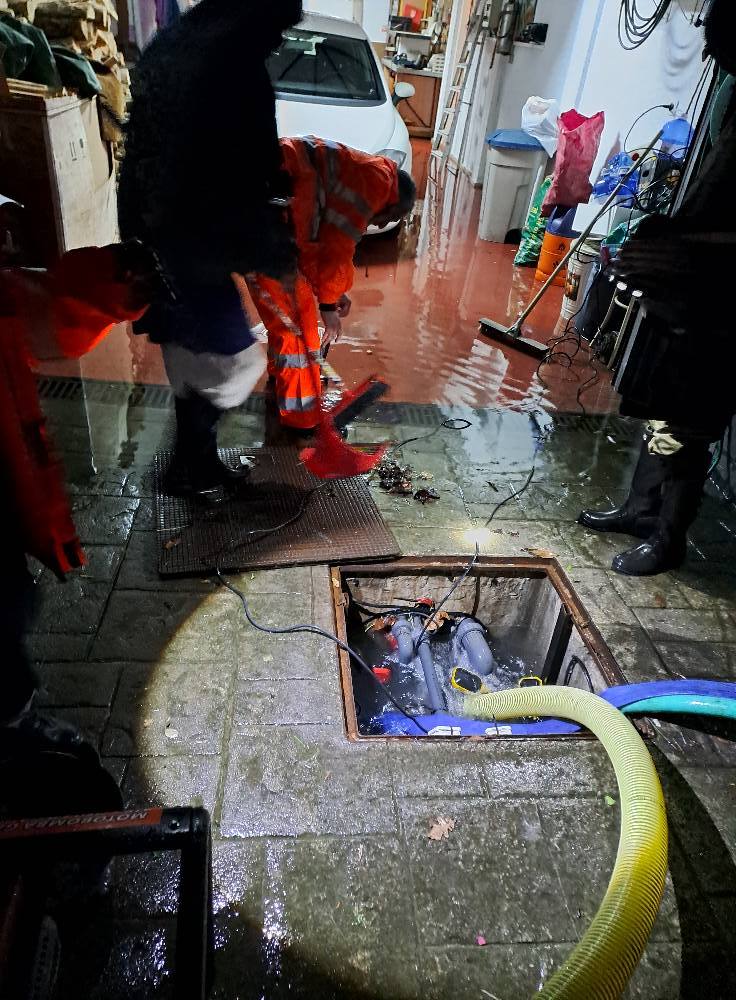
[337,193]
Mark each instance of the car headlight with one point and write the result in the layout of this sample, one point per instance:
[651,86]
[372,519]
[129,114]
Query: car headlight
[397,155]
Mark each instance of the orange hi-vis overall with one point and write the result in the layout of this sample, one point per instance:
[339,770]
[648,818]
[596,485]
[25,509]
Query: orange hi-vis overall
[336,192]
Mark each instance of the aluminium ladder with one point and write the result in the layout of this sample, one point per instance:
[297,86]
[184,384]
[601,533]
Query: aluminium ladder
[445,134]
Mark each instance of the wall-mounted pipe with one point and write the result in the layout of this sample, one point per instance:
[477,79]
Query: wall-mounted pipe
[471,636]
[434,692]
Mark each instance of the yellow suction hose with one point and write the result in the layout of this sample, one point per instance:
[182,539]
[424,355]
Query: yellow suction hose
[602,963]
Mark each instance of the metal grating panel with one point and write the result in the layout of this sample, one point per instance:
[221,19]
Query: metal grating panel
[339,520]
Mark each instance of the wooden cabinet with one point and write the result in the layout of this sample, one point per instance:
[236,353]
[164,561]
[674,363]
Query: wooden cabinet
[420,111]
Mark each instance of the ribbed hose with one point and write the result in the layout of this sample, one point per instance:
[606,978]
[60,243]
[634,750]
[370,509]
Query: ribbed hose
[602,963]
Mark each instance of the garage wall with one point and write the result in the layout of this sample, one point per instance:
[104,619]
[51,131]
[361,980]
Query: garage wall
[583,65]
[503,88]
[601,75]
[374,17]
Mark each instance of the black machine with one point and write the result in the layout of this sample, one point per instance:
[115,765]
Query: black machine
[30,848]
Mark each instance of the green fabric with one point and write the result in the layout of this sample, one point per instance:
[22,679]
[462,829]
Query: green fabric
[18,49]
[41,66]
[76,72]
[534,229]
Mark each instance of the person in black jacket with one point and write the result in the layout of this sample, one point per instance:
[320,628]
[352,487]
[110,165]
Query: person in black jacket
[684,267]
[202,185]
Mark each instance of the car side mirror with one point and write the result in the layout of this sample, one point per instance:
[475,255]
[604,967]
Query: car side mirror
[402,92]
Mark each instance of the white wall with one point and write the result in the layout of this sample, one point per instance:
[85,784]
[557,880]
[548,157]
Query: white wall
[541,70]
[602,76]
[503,88]
[583,65]
[375,13]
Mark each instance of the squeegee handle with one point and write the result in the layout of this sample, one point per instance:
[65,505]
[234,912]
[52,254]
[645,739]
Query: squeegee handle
[636,165]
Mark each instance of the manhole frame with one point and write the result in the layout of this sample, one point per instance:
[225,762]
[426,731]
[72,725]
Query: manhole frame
[486,566]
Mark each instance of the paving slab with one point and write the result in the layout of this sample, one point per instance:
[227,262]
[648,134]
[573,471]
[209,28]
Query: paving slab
[74,606]
[172,781]
[469,885]
[671,625]
[103,520]
[164,709]
[86,685]
[291,780]
[338,915]
[162,625]
[548,768]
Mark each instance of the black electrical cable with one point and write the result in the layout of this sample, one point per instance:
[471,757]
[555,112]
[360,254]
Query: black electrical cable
[450,424]
[450,592]
[575,661]
[634,28]
[654,107]
[316,630]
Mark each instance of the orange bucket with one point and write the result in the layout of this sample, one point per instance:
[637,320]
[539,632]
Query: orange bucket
[554,248]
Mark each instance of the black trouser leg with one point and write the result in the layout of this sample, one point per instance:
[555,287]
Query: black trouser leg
[645,491]
[687,471]
[196,441]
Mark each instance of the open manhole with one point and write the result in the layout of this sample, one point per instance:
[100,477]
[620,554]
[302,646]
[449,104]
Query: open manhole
[511,622]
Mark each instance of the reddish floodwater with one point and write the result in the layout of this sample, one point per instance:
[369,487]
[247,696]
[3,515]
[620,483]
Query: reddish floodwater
[417,301]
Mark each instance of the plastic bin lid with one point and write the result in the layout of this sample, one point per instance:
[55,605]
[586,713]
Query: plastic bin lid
[513,138]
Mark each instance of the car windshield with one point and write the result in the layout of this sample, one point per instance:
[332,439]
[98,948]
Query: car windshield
[328,67]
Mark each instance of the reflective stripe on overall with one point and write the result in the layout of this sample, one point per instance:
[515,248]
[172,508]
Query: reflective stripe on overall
[324,157]
[293,346]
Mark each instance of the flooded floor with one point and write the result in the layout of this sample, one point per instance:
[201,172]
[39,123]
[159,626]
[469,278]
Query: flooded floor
[327,883]
[417,300]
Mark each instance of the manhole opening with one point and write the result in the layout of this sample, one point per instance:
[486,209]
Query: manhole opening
[512,621]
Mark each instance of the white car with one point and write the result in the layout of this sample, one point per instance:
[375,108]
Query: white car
[330,83]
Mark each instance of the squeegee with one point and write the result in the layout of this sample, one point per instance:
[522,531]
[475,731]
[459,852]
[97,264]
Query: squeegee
[511,336]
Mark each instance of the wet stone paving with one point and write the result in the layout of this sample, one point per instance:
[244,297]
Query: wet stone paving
[327,884]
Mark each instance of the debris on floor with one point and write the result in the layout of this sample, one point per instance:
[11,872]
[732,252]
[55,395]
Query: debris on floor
[441,828]
[399,479]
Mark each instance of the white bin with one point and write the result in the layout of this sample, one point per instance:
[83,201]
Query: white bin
[515,165]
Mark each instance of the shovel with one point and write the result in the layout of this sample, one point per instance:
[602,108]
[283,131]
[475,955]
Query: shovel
[330,457]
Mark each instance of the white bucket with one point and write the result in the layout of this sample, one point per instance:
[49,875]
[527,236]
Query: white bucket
[579,270]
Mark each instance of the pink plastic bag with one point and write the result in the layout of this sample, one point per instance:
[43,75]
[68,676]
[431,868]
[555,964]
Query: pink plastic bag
[576,152]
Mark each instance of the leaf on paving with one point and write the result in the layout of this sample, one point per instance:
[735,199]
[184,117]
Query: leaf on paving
[609,800]
[493,487]
[441,828]
[540,553]
[171,733]
[147,723]
[514,534]
[660,601]
[426,496]
[171,543]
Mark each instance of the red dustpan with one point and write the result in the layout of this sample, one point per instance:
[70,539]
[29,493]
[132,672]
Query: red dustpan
[331,457]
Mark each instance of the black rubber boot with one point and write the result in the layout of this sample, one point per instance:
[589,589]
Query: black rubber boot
[638,514]
[666,548]
[196,468]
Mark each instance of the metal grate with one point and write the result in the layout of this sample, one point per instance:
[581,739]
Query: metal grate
[332,522]
[419,415]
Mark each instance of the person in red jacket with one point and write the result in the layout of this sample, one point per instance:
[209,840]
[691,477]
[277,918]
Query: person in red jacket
[63,312]
[337,193]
